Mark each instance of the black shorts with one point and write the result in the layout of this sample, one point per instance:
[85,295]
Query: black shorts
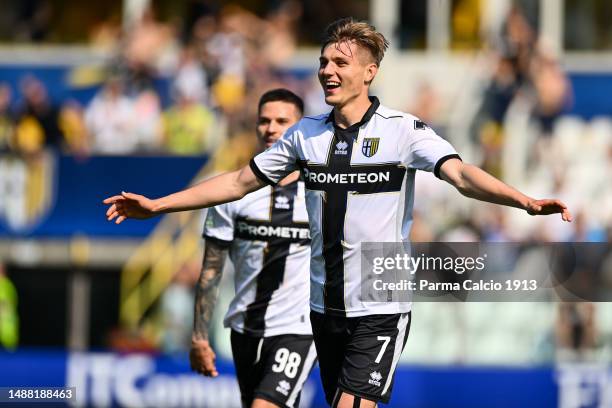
[272,368]
[358,355]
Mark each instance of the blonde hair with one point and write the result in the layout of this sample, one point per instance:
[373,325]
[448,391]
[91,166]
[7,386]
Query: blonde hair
[361,32]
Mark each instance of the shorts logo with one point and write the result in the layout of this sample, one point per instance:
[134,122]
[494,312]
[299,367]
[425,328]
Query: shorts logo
[375,378]
[341,147]
[283,387]
[281,202]
[370,146]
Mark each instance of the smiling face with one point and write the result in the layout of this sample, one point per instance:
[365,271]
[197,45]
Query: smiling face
[345,72]
[273,120]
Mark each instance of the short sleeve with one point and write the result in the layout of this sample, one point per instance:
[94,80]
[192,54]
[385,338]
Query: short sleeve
[219,224]
[425,150]
[280,159]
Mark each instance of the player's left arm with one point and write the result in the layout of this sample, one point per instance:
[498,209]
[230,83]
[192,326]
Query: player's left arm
[473,182]
[201,355]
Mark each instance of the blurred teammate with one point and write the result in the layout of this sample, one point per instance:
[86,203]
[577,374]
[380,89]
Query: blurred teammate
[9,318]
[358,164]
[267,236]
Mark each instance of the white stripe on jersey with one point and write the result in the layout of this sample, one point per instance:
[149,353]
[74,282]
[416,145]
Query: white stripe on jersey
[308,363]
[252,227]
[366,185]
[258,355]
[402,323]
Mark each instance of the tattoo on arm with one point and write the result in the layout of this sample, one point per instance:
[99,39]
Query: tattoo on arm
[207,288]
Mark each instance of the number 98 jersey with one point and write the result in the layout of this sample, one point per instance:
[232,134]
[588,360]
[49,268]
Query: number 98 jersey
[269,244]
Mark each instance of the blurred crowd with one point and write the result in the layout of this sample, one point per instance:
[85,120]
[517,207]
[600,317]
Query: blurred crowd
[167,88]
[524,68]
[557,155]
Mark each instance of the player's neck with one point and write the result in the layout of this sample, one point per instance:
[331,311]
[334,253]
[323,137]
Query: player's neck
[289,179]
[352,112]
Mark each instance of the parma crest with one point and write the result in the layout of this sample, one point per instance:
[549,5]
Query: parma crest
[369,147]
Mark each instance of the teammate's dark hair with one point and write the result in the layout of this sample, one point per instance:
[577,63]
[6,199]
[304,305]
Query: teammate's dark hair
[281,95]
[363,33]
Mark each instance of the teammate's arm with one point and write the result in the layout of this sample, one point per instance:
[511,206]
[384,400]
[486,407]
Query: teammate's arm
[217,190]
[475,183]
[201,356]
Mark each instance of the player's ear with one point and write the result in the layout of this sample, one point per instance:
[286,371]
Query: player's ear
[371,71]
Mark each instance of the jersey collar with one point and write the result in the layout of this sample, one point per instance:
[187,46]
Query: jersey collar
[366,117]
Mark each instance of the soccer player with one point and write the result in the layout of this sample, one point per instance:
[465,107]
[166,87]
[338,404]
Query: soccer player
[267,237]
[358,164]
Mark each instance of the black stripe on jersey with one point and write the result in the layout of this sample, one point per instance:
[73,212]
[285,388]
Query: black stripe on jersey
[361,179]
[336,179]
[259,174]
[220,242]
[332,217]
[258,230]
[274,260]
[440,162]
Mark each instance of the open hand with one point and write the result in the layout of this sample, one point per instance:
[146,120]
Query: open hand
[549,206]
[129,205]
[202,358]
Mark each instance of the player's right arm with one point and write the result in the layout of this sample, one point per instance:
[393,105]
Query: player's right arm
[268,167]
[217,190]
[201,355]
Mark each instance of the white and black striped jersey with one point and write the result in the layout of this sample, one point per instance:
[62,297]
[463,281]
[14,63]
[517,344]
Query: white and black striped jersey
[359,188]
[269,245]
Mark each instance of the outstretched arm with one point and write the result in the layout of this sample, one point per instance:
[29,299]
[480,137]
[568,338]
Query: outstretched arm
[475,183]
[217,190]
[201,355]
